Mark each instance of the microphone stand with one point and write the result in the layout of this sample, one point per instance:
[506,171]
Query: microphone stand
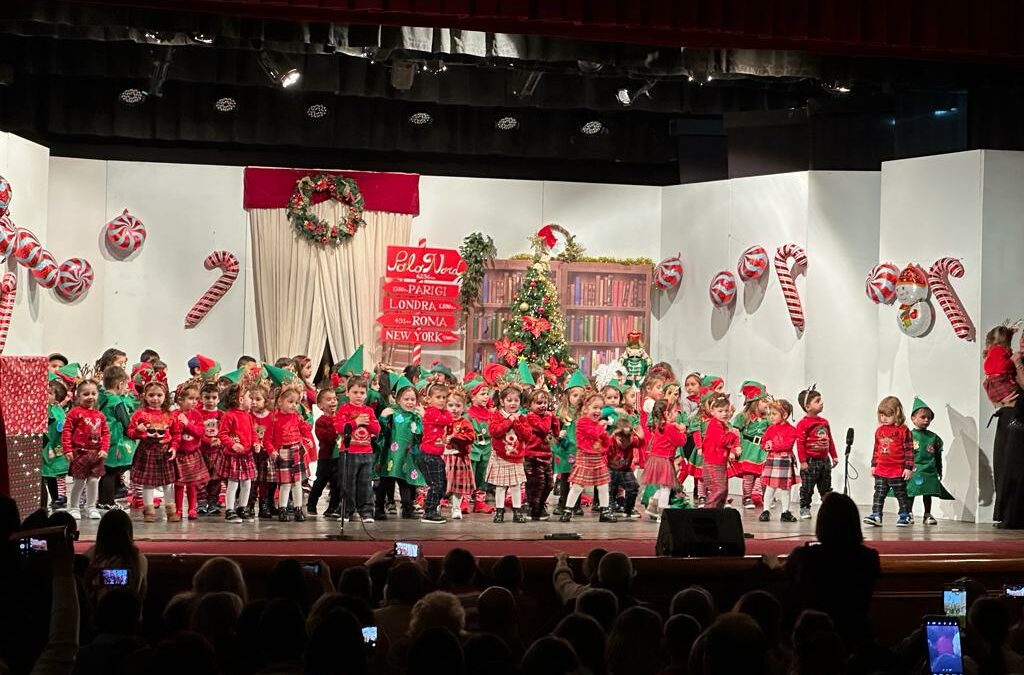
[339,475]
[846,470]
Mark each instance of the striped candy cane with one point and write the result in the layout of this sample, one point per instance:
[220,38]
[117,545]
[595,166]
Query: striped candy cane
[417,349]
[789,290]
[228,263]
[8,289]
[938,280]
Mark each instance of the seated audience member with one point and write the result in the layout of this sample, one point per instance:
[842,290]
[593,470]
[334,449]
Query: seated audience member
[717,650]
[817,648]
[507,572]
[765,609]
[438,609]
[216,619]
[498,615]
[461,577]
[615,573]
[355,581]
[115,549]
[635,644]
[336,646]
[116,619]
[681,631]
[697,602]
[177,615]
[406,585]
[179,653]
[587,638]
[988,627]
[601,604]
[568,588]
[290,581]
[285,629]
[487,654]
[435,650]
[220,574]
[550,656]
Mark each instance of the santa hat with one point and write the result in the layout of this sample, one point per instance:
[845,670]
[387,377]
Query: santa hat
[920,405]
[711,381]
[753,391]
[208,368]
[577,379]
[913,274]
[494,372]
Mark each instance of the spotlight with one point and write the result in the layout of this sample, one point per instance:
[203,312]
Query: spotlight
[420,119]
[838,88]
[286,77]
[507,123]
[202,38]
[710,78]
[627,99]
[592,128]
[160,67]
[689,78]
[589,67]
[434,67]
[316,111]
[158,36]
[132,96]
[225,104]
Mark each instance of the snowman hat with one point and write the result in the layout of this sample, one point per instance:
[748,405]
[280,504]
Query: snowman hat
[913,274]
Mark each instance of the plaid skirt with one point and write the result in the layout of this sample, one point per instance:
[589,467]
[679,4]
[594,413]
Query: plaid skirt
[290,466]
[458,471]
[151,465]
[232,466]
[590,469]
[86,464]
[502,473]
[265,471]
[779,472]
[659,471]
[998,387]
[191,468]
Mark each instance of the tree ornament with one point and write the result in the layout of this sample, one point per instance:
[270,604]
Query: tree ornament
[669,272]
[523,306]
[74,278]
[300,208]
[508,350]
[753,263]
[125,233]
[228,263]
[635,358]
[949,301]
[723,289]
[880,286]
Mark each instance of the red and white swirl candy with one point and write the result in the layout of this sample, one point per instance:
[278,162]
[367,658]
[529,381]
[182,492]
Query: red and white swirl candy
[938,280]
[126,232]
[228,263]
[669,272]
[8,235]
[27,249]
[752,263]
[6,192]
[785,274]
[8,289]
[45,270]
[722,289]
[880,286]
[74,278]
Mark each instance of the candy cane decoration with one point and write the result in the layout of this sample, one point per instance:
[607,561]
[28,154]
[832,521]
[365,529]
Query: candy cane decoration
[228,263]
[417,349]
[938,280]
[785,273]
[8,289]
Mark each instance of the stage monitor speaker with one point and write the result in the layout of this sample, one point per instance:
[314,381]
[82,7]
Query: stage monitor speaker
[691,533]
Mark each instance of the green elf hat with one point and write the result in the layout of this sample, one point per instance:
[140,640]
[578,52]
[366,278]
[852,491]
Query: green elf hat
[235,375]
[399,382]
[615,384]
[70,373]
[753,391]
[577,379]
[353,365]
[920,405]
[524,375]
[473,385]
[438,367]
[422,383]
[710,381]
[208,368]
[277,375]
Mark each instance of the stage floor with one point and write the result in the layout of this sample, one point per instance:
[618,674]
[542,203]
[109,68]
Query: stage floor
[476,532]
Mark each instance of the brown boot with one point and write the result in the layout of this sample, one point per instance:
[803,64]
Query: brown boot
[172,513]
[148,514]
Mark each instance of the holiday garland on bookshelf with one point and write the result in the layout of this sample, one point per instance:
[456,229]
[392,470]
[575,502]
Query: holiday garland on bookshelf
[320,230]
[593,259]
[477,251]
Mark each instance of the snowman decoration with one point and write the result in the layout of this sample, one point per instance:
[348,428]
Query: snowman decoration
[915,315]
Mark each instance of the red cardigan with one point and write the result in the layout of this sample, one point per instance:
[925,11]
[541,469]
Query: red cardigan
[778,439]
[508,436]
[894,451]
[541,426]
[437,424]
[236,427]
[85,430]
[284,429]
[665,442]
[719,443]
[591,437]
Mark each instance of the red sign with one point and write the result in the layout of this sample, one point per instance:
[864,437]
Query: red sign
[414,336]
[397,304]
[424,264]
[412,289]
[405,320]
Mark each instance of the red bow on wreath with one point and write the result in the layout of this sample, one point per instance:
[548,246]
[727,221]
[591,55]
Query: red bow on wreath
[547,234]
[535,326]
[508,351]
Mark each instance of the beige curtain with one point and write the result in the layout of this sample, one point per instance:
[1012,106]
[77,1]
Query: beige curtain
[306,293]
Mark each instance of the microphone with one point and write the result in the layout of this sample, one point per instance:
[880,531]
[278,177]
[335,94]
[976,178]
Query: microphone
[346,435]
[849,440]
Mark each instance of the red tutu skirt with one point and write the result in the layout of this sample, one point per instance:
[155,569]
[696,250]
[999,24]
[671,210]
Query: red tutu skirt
[659,471]
[191,468]
[590,469]
[458,471]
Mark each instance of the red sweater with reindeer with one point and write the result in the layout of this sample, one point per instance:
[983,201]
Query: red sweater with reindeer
[894,451]
[211,420]
[85,430]
[542,426]
[362,436]
[154,419]
[508,436]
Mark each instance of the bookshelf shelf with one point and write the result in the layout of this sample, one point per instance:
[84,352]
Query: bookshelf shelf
[602,302]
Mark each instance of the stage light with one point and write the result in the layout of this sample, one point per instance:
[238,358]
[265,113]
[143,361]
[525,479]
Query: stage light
[132,96]
[202,38]
[285,77]
[945,113]
[434,67]
[420,119]
[689,78]
[709,78]
[506,123]
[316,111]
[225,104]
[592,128]
[627,99]
[839,88]
[589,67]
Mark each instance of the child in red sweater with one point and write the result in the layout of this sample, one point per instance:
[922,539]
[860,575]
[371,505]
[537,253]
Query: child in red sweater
[288,441]
[458,469]
[720,443]
[153,464]
[266,474]
[209,445]
[190,469]
[591,468]
[86,441]
[509,431]
[437,428]
[892,462]
[544,428]
[815,449]
[666,436]
[326,433]
[1000,371]
[236,464]
[357,425]
[778,474]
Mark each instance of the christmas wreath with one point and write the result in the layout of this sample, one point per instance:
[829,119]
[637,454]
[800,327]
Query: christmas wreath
[321,231]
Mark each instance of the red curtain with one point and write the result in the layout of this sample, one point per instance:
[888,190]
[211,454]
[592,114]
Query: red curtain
[390,192]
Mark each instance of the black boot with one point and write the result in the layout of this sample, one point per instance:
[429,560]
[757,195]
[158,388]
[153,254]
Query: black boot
[607,516]
[518,516]
[282,515]
[264,509]
[300,517]
[499,515]
[566,516]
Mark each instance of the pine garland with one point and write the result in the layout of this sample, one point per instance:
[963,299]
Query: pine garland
[477,251]
[593,259]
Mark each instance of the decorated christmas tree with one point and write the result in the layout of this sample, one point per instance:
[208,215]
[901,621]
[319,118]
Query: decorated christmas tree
[535,329]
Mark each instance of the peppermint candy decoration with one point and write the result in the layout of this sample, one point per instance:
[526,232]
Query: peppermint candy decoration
[949,301]
[74,278]
[785,274]
[669,272]
[5,196]
[880,286]
[45,270]
[8,235]
[8,289]
[752,263]
[227,262]
[723,289]
[126,233]
[27,249]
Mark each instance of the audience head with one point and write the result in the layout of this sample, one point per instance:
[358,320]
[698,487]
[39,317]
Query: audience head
[177,615]
[336,646]
[507,572]
[216,617]
[592,562]
[681,632]
[406,584]
[435,650]
[118,612]
[975,589]
[550,656]
[487,653]
[114,536]
[459,568]
[438,609]
[587,639]
[838,521]
[599,603]
[817,647]
[989,619]
[716,652]
[634,645]
[220,574]
[615,572]
[497,611]
[355,581]
[285,629]
[697,602]
[765,609]
[288,580]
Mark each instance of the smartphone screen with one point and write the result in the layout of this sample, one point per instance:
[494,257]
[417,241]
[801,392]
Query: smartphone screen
[370,635]
[115,577]
[406,549]
[944,652]
[312,567]
[1013,590]
[30,545]
[954,601]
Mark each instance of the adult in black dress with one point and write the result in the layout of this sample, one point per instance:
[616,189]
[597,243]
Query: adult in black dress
[1008,457]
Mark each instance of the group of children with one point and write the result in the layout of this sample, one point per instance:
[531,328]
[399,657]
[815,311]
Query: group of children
[432,438]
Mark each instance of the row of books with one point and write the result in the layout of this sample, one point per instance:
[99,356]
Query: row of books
[602,328]
[590,359]
[487,326]
[608,290]
[500,288]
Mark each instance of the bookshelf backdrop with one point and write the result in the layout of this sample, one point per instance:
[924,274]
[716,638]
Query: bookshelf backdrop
[602,302]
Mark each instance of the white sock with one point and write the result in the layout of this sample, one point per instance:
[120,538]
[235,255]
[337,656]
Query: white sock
[602,496]
[297,495]
[517,498]
[283,490]
[663,495]
[229,496]
[574,496]
[783,496]
[499,496]
[92,492]
[245,487]
[769,495]
[169,496]
[147,496]
[75,493]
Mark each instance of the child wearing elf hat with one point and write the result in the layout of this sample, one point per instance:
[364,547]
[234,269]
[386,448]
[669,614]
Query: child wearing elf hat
[926,482]
[480,453]
[54,466]
[564,451]
[114,403]
[395,464]
[751,422]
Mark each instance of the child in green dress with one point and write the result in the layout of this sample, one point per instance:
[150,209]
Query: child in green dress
[926,481]
[54,465]
[401,429]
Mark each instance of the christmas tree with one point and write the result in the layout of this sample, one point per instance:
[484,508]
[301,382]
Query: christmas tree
[535,330]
